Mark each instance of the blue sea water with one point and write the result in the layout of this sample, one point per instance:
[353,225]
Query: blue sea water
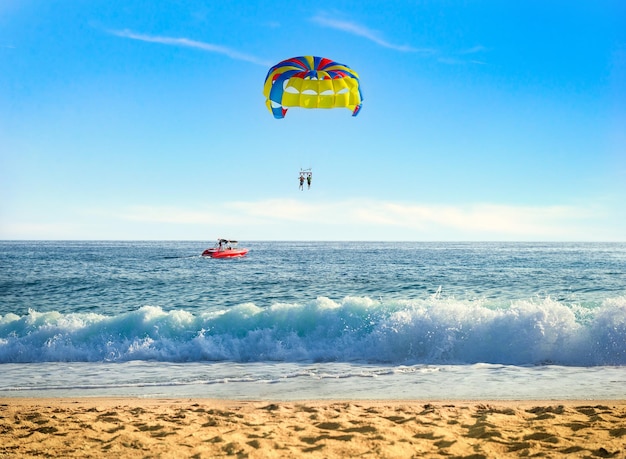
[314,320]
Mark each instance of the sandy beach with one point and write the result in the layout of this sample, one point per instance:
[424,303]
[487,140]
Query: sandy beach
[139,428]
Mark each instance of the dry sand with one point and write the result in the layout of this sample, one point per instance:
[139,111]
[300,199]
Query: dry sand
[140,428]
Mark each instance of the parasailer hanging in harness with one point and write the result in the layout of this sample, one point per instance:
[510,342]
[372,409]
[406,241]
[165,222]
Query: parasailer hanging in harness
[305,174]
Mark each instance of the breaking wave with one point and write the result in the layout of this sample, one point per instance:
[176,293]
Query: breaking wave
[355,329]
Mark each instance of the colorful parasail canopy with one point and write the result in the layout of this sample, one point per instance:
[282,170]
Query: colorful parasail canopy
[311,82]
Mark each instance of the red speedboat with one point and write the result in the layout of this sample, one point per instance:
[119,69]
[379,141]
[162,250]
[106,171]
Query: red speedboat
[225,248]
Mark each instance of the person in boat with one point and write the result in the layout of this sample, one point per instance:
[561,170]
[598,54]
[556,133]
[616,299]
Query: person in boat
[301,181]
[308,179]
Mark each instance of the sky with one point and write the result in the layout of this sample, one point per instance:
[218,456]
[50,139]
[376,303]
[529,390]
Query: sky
[146,120]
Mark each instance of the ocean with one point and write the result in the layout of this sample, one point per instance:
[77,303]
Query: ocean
[314,320]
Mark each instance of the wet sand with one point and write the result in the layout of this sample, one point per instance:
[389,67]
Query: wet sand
[206,428]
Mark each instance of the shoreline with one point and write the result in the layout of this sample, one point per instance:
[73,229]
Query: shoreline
[200,427]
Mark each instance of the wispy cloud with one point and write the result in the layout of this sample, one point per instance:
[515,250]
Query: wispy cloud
[357,218]
[487,219]
[359,30]
[458,61]
[349,219]
[187,43]
[465,56]
[474,50]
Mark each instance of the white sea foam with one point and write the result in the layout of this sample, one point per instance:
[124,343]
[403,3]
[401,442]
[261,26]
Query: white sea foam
[307,381]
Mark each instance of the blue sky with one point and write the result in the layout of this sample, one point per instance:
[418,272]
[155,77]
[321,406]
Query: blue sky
[481,120]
